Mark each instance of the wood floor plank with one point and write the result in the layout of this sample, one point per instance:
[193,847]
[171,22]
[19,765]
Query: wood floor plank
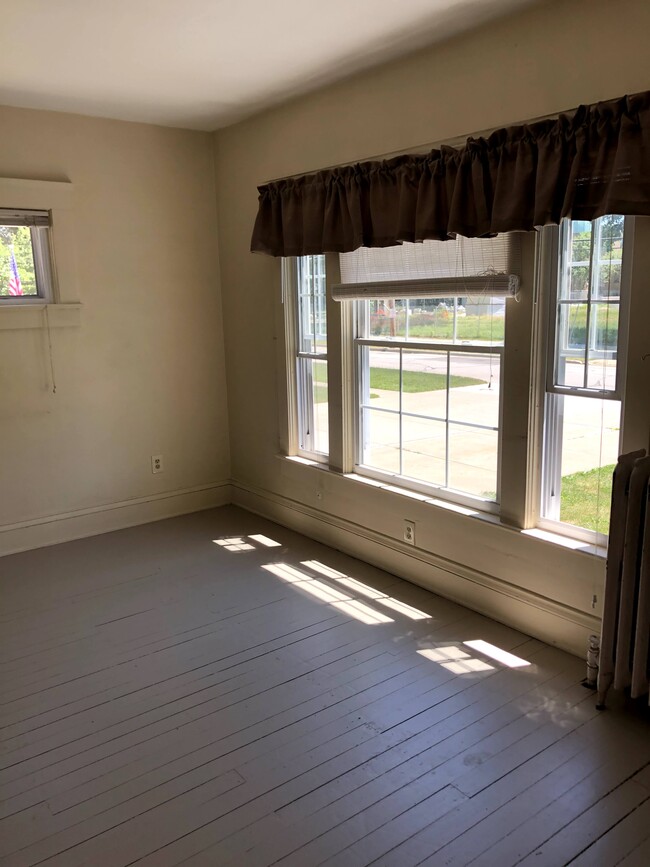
[616,843]
[166,699]
[509,834]
[518,836]
[639,857]
[407,765]
[576,836]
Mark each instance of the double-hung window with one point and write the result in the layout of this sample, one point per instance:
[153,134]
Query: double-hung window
[25,269]
[306,320]
[448,387]
[585,374]
[429,343]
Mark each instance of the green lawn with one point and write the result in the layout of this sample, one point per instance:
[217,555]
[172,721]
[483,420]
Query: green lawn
[582,504]
[320,393]
[439,326]
[416,380]
[388,380]
[478,328]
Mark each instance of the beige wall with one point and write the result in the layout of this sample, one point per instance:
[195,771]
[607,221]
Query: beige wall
[547,59]
[144,371]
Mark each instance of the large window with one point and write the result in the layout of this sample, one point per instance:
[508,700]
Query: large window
[25,271]
[585,374]
[429,395]
[440,382]
[429,338]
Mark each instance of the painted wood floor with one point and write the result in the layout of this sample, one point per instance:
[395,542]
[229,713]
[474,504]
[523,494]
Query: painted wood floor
[186,693]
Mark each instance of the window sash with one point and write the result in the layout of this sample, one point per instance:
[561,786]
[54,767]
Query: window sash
[552,424]
[304,308]
[556,302]
[41,252]
[362,385]
[24,217]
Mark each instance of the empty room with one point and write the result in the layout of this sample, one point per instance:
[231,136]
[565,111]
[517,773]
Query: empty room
[324,421]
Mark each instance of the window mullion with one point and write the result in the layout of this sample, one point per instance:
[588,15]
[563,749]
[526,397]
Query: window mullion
[341,435]
[588,325]
[635,384]
[401,418]
[447,420]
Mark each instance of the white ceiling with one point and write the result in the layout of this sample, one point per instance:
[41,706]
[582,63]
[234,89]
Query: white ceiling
[204,64]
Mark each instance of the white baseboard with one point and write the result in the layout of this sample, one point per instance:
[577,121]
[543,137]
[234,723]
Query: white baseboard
[53,529]
[535,615]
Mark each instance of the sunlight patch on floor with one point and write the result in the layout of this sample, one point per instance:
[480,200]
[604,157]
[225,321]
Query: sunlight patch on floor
[455,660]
[365,590]
[243,543]
[234,543]
[496,653]
[341,601]
[264,540]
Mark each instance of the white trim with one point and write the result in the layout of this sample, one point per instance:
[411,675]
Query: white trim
[58,198]
[35,195]
[53,529]
[19,316]
[523,609]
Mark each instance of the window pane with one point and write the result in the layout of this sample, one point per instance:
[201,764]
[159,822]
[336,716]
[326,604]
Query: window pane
[578,286]
[608,283]
[474,388]
[424,383]
[607,276]
[581,433]
[581,248]
[484,320]
[590,433]
[306,332]
[424,450]
[379,319]
[475,319]
[573,327]
[381,440]
[473,460]
[313,405]
[576,265]
[603,346]
[17,272]
[588,310]
[382,378]
[312,317]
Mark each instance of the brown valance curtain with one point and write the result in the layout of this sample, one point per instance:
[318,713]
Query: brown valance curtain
[590,162]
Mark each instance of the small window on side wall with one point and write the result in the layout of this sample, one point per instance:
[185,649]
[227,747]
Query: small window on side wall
[25,262]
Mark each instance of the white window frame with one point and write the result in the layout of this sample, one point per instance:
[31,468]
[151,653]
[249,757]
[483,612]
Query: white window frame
[552,242]
[398,479]
[61,305]
[523,379]
[41,252]
[299,391]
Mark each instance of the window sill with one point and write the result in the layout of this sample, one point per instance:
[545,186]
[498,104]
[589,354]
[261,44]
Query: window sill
[35,315]
[567,542]
[535,533]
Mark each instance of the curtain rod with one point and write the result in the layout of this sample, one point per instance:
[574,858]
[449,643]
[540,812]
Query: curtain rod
[427,146]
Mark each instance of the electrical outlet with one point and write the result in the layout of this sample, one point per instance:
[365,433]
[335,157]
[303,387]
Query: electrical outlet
[409,532]
[157,463]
